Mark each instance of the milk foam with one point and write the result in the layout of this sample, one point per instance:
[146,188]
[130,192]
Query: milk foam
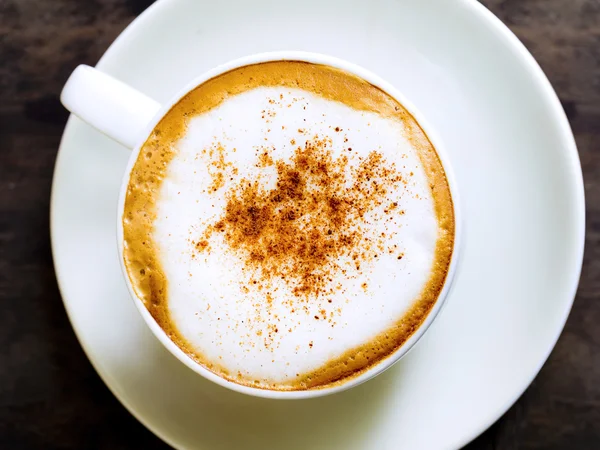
[271,342]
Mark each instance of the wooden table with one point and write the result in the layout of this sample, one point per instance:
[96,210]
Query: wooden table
[51,397]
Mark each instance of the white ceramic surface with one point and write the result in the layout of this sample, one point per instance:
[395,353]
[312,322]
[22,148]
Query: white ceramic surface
[515,161]
[128,116]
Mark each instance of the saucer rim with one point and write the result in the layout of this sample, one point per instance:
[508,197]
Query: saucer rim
[569,148]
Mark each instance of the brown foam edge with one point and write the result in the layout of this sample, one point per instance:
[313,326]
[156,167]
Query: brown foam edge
[141,253]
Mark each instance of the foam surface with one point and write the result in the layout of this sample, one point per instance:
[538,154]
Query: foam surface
[275,339]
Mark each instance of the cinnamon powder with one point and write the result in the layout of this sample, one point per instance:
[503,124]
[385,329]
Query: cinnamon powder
[305,229]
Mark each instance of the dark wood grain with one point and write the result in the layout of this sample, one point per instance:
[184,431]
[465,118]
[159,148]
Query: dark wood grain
[50,396]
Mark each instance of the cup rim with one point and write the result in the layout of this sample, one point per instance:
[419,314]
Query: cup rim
[370,77]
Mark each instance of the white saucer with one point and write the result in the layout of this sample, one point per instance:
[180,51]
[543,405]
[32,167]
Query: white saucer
[522,195]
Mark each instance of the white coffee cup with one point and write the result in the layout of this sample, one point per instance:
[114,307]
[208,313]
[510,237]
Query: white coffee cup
[128,116]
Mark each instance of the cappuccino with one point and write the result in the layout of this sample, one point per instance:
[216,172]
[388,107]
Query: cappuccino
[288,225]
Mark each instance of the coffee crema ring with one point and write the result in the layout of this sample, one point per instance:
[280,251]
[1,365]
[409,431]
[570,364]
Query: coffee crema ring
[308,226]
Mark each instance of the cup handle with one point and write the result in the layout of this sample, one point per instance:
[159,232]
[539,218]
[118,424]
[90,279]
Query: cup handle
[109,105]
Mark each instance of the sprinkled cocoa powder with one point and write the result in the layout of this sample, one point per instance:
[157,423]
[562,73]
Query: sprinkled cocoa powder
[218,167]
[303,230]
